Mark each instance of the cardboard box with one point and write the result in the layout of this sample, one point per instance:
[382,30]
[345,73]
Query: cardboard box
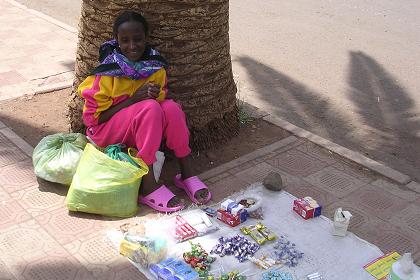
[226,204]
[228,218]
[183,230]
[307,207]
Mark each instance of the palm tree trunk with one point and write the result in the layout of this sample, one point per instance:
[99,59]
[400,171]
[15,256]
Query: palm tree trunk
[193,35]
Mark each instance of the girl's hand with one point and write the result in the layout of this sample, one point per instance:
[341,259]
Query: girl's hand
[153,91]
[147,91]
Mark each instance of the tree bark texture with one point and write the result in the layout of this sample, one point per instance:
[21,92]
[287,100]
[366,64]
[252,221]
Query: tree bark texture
[193,35]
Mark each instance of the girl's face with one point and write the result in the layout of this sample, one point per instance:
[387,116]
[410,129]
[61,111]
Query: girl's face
[132,39]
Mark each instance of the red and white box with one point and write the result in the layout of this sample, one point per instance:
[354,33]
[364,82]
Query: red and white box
[183,230]
[307,207]
[228,218]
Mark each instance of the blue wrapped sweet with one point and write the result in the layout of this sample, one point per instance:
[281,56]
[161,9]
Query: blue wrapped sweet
[238,246]
[286,252]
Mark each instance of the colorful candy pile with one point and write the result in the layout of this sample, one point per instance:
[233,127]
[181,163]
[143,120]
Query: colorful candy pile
[238,246]
[276,274]
[286,252]
[199,259]
[173,269]
[233,275]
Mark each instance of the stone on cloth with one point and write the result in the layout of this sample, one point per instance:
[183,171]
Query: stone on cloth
[273,182]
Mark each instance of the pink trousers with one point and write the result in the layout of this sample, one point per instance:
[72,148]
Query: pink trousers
[143,125]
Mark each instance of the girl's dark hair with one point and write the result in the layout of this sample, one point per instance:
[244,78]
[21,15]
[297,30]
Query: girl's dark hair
[126,16]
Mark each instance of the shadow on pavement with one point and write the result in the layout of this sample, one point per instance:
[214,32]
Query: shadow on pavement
[30,132]
[386,125]
[46,186]
[388,111]
[69,64]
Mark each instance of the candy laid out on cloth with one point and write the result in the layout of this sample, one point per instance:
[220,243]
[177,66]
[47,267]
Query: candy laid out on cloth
[233,275]
[143,250]
[199,259]
[316,249]
[183,230]
[254,233]
[173,269]
[259,233]
[286,253]
[277,274]
[251,203]
[268,234]
[314,276]
[238,246]
[256,214]
[210,211]
[200,222]
[263,262]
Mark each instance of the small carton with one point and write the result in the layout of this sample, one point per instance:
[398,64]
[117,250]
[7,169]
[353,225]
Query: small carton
[240,211]
[183,230]
[237,209]
[228,218]
[225,204]
[341,222]
[307,207]
[243,215]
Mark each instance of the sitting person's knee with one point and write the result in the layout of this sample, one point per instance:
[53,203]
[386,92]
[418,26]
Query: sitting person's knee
[152,105]
[171,107]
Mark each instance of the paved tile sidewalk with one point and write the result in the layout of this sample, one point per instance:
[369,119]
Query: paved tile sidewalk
[40,239]
[34,54]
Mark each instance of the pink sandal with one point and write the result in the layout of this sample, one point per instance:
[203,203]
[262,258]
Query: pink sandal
[191,186]
[159,200]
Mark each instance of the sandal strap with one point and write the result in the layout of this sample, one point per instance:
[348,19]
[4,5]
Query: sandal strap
[194,184]
[160,196]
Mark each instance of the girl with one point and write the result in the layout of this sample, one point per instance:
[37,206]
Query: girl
[125,103]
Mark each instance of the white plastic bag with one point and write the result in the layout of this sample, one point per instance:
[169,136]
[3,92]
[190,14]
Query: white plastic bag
[157,166]
[56,156]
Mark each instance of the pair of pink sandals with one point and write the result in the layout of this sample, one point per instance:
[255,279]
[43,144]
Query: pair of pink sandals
[160,198]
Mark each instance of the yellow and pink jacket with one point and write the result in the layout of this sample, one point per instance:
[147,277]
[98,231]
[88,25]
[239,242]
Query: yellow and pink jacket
[102,92]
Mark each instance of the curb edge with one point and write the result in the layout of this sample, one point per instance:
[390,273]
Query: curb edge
[17,140]
[53,87]
[342,151]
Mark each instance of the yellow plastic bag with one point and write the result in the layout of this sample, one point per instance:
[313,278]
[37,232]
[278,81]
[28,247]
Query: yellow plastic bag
[105,186]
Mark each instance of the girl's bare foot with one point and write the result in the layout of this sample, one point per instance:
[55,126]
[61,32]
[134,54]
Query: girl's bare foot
[149,185]
[186,172]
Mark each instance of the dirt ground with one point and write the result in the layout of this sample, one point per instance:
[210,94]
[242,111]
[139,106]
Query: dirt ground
[35,117]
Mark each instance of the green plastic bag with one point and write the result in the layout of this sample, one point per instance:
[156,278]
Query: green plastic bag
[56,156]
[115,152]
[105,186]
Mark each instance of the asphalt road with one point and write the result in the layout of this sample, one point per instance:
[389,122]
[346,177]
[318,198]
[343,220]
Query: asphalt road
[347,70]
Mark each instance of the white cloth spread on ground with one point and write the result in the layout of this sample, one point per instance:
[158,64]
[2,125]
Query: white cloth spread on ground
[334,257]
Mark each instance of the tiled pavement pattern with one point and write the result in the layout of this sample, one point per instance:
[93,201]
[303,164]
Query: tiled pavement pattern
[40,239]
[34,54]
